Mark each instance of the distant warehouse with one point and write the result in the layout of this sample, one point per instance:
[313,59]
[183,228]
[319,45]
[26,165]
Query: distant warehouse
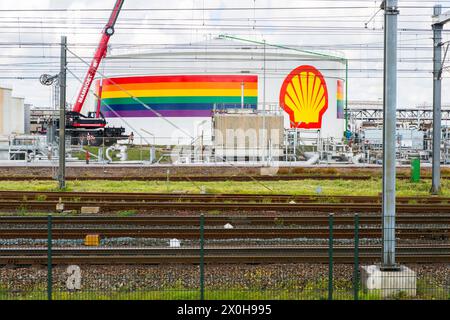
[12,113]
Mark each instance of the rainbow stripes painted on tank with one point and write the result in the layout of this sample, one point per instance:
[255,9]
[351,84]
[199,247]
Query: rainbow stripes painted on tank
[340,100]
[176,95]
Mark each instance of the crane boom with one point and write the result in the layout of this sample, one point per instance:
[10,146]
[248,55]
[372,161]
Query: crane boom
[100,53]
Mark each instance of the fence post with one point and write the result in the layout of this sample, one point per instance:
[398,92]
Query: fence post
[330,257]
[49,257]
[167,179]
[356,253]
[202,257]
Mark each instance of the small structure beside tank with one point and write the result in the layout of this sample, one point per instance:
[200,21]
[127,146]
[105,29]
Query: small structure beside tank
[245,135]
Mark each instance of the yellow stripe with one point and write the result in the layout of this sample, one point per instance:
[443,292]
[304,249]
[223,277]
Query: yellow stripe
[291,105]
[316,86]
[319,93]
[310,92]
[303,80]
[180,93]
[298,92]
[296,103]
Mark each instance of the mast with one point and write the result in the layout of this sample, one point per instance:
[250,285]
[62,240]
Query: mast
[100,53]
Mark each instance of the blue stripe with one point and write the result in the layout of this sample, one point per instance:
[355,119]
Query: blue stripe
[179,106]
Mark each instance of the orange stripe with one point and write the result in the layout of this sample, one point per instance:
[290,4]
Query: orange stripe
[180,85]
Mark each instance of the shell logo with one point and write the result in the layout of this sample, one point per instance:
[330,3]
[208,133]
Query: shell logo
[304,96]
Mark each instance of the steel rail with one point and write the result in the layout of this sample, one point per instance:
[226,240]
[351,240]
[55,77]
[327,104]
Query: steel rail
[15,256]
[220,233]
[112,206]
[228,259]
[277,220]
[273,250]
[103,196]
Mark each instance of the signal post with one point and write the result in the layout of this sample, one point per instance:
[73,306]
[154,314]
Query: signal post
[389,277]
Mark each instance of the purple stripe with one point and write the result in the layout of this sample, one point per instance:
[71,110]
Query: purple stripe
[164,113]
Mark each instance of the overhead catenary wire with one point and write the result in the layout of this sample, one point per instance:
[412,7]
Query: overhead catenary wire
[403,5]
[341,20]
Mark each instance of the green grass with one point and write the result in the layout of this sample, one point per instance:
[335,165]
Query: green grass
[21,210]
[307,293]
[26,213]
[298,187]
[288,289]
[187,294]
[41,197]
[127,213]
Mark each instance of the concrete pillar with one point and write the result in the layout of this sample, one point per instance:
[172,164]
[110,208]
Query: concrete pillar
[437,84]
[389,131]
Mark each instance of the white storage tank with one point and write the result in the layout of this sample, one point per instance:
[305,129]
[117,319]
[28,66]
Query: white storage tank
[307,87]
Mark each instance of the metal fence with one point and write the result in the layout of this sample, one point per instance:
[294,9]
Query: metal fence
[200,266]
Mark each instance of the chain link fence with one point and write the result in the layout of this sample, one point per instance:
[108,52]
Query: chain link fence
[50,260]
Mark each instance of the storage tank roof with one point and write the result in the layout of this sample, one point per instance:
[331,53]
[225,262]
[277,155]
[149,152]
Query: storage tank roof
[225,45]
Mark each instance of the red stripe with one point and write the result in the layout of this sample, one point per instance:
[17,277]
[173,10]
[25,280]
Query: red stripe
[182,78]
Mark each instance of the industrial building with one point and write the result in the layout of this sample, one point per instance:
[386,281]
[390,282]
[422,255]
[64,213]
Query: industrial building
[12,113]
[14,121]
[240,136]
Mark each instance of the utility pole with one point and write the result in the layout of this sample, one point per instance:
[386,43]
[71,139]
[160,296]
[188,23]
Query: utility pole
[393,278]
[389,131]
[62,115]
[264,76]
[264,105]
[437,84]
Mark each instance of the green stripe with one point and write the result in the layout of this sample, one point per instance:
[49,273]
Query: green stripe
[150,100]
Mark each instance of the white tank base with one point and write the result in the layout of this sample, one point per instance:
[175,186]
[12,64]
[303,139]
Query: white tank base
[389,283]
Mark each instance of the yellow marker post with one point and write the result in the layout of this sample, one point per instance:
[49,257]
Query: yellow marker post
[92,240]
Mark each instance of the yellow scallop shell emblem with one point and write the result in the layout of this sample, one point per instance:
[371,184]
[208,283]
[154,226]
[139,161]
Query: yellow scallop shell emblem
[304,96]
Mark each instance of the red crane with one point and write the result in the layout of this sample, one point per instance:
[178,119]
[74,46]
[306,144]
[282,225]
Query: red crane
[108,31]
[74,119]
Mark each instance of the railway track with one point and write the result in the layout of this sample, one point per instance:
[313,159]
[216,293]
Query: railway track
[279,254]
[142,206]
[274,220]
[185,197]
[47,201]
[435,233]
